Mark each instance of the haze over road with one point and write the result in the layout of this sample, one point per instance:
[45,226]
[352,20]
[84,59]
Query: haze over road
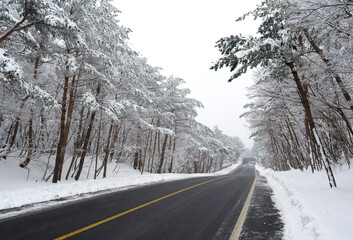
[196,208]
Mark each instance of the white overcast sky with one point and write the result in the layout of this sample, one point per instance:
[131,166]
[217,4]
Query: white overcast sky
[179,36]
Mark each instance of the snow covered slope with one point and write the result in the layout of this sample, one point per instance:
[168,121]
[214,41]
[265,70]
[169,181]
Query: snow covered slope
[310,209]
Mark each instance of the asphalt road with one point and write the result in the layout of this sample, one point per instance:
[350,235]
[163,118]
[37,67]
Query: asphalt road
[197,208]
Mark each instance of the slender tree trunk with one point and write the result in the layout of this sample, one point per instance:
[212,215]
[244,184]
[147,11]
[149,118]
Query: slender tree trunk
[315,142]
[165,169]
[302,94]
[107,148]
[154,150]
[170,169]
[115,138]
[86,140]
[159,144]
[140,159]
[137,151]
[85,145]
[163,153]
[144,155]
[96,171]
[78,144]
[61,145]
[136,157]
[70,109]
[150,153]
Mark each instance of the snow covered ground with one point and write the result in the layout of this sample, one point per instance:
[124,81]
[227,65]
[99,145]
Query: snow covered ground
[18,188]
[310,209]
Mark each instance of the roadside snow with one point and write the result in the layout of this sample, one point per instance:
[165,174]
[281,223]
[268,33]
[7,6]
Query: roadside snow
[16,191]
[310,209]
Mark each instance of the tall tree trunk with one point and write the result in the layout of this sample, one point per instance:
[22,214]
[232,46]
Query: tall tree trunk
[70,109]
[137,151]
[136,157]
[163,153]
[115,138]
[159,144]
[61,143]
[154,150]
[107,148]
[170,169]
[302,94]
[96,171]
[150,153]
[315,142]
[140,159]
[85,145]
[144,155]
[77,145]
[86,140]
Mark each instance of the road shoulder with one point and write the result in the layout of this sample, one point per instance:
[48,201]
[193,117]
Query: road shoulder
[263,220]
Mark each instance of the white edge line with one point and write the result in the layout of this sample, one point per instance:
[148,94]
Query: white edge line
[239,225]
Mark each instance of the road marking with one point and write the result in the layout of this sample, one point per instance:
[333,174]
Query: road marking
[130,210]
[238,226]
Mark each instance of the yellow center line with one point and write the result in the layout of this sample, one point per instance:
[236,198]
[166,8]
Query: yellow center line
[130,210]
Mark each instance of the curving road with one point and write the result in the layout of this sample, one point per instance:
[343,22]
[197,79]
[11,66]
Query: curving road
[197,208]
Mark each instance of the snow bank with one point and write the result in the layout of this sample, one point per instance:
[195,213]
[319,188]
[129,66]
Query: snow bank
[310,209]
[15,191]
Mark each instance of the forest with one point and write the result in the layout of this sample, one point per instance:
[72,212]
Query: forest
[73,94]
[301,107]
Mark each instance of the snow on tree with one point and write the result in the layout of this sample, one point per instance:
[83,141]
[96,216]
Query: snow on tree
[301,112]
[73,90]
